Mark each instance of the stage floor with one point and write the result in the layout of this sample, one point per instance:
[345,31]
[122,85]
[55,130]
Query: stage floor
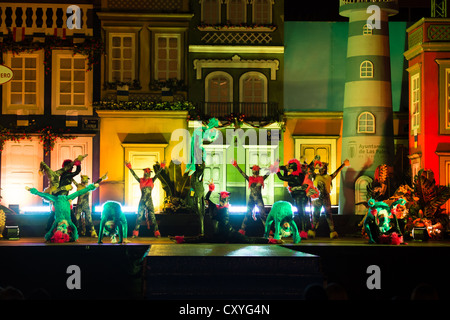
[30,263]
[319,241]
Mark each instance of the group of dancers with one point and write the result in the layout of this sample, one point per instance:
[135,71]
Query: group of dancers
[304,183]
[306,186]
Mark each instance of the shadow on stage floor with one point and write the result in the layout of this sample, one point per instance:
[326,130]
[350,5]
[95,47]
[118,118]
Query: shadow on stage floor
[158,268]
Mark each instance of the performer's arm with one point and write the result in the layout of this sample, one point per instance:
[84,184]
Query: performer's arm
[345,164]
[43,195]
[161,168]
[128,165]
[284,177]
[234,163]
[102,178]
[78,193]
[76,183]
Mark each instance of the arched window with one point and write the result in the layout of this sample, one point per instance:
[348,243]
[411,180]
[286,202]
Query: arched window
[253,94]
[367,29]
[366,69]
[262,12]
[218,93]
[366,123]
[211,11]
[236,11]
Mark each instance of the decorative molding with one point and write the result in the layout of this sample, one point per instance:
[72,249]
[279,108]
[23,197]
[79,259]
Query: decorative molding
[235,49]
[237,62]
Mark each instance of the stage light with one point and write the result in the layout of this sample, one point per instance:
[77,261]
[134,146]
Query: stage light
[125,209]
[36,209]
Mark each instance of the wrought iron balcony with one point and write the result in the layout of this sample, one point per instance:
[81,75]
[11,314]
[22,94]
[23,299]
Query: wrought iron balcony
[249,111]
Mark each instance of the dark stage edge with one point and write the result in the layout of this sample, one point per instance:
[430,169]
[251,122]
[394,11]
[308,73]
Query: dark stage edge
[111,271]
[228,271]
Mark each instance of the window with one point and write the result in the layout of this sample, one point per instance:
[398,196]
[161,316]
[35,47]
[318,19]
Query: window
[367,29]
[72,84]
[415,101]
[121,57]
[262,12]
[236,11]
[167,52]
[366,123]
[253,94]
[366,69]
[211,11]
[219,93]
[25,92]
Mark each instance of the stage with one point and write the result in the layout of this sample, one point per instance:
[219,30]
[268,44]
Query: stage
[149,268]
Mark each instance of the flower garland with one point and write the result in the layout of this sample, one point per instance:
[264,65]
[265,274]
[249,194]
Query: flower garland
[143,105]
[47,137]
[230,26]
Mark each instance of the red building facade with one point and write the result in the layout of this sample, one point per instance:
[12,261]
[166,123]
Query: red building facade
[428,58]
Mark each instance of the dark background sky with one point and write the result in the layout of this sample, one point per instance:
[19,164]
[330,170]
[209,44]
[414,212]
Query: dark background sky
[328,10]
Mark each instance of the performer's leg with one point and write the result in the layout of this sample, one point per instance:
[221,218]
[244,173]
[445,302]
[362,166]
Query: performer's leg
[250,206]
[140,216]
[152,217]
[329,216]
[88,219]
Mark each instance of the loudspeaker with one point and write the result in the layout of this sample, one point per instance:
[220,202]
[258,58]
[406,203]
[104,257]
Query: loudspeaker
[12,233]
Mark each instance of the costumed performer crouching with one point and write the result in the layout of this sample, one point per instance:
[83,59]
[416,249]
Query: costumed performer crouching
[62,229]
[113,223]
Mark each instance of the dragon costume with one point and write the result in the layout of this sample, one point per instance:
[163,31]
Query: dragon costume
[146,184]
[381,224]
[62,229]
[113,222]
[281,213]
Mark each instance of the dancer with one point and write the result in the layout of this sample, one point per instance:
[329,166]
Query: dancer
[146,184]
[63,229]
[54,177]
[198,193]
[113,223]
[255,184]
[323,182]
[223,231]
[84,207]
[296,179]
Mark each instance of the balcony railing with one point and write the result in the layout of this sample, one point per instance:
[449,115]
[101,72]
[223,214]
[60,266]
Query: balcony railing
[251,111]
[43,18]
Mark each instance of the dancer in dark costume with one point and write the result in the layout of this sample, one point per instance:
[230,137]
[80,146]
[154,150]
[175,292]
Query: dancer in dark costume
[297,188]
[323,182]
[199,194]
[146,203]
[223,231]
[255,184]
[84,207]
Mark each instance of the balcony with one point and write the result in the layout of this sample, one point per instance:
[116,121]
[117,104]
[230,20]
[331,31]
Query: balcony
[43,18]
[250,111]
